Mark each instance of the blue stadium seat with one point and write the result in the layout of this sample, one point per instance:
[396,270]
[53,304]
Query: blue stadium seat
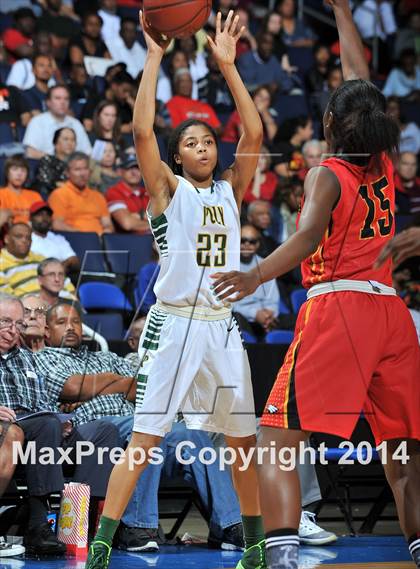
[410,111]
[283,308]
[402,222]
[108,325]
[279,337]
[248,338]
[4,71]
[96,295]
[127,253]
[298,297]
[226,154]
[301,57]
[88,248]
[290,106]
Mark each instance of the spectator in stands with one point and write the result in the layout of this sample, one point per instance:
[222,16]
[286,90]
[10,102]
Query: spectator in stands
[294,31]
[22,393]
[36,96]
[146,279]
[176,60]
[262,98]
[125,47]
[103,171]
[259,215]
[312,155]
[264,182]
[197,63]
[10,435]
[290,196]
[407,35]
[34,316]
[40,130]
[52,169]
[102,381]
[255,313]
[316,77]
[18,266]
[15,200]
[404,80]
[53,283]
[21,74]
[80,87]
[14,112]
[77,207]
[212,89]
[287,146]
[133,339]
[111,22]
[320,98]
[89,42]
[376,22]
[407,184]
[128,200]
[182,106]
[106,124]
[261,67]
[120,92]
[47,243]
[60,26]
[273,24]
[410,132]
[18,40]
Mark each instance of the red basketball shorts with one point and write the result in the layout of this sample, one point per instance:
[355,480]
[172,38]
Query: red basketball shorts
[352,351]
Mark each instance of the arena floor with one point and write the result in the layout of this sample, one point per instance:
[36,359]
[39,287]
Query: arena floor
[388,552]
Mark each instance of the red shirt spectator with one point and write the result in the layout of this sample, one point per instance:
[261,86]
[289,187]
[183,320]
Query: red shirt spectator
[264,183]
[182,107]
[128,200]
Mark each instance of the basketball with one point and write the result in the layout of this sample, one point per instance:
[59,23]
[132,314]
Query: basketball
[177,18]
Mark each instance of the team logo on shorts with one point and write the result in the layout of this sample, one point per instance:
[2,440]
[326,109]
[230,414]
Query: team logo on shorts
[272,409]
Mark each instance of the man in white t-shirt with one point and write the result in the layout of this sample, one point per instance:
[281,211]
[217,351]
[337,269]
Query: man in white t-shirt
[39,133]
[124,47]
[111,21]
[47,243]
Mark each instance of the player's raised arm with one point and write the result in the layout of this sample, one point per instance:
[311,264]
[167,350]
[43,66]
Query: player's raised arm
[353,61]
[160,182]
[247,153]
[322,191]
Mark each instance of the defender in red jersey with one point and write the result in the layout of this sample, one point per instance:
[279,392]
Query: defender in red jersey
[355,346]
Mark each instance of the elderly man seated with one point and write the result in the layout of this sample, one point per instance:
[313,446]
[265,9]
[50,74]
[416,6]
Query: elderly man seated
[22,398]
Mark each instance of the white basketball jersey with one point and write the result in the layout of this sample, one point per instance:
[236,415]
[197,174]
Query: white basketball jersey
[197,235]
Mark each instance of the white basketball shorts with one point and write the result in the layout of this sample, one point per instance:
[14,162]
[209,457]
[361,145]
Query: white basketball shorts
[194,363]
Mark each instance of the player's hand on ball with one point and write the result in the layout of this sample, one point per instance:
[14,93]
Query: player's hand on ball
[224,44]
[227,284]
[155,41]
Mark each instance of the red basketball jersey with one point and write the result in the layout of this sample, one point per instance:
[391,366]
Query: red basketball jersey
[360,225]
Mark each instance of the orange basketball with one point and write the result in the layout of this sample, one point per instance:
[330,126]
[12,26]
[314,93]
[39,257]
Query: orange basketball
[177,18]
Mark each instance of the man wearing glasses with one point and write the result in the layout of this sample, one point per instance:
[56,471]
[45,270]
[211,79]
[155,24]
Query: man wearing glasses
[22,393]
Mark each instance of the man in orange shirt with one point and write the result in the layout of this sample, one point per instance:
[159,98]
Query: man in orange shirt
[182,107]
[77,207]
[15,201]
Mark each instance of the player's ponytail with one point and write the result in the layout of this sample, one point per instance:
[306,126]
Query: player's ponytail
[360,125]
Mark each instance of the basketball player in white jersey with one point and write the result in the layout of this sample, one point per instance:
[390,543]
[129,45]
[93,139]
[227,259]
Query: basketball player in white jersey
[192,357]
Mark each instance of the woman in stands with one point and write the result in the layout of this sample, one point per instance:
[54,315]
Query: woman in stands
[52,169]
[190,347]
[355,345]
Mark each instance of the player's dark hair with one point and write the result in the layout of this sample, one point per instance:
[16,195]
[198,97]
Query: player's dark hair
[360,125]
[173,143]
